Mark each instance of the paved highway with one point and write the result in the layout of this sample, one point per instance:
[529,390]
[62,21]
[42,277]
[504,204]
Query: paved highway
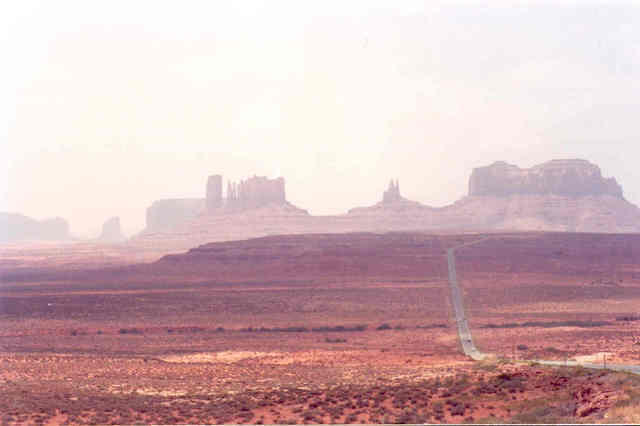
[466,339]
[456,298]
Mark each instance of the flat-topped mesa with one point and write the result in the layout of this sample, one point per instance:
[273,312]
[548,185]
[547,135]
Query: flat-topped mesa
[17,227]
[257,191]
[575,178]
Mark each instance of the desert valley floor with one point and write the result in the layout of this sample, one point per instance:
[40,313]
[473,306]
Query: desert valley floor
[322,328]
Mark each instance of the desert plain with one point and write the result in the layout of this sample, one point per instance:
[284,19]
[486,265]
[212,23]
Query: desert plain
[322,328]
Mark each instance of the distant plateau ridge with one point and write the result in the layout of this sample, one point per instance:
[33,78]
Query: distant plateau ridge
[559,195]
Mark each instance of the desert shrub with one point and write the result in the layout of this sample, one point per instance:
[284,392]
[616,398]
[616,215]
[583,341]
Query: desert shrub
[351,418]
[301,329]
[311,415]
[410,417]
[340,328]
[628,318]
[550,324]
[486,366]
[456,407]
[295,329]
[457,410]
[505,325]
[543,414]
[508,382]
[522,347]
[432,326]
[130,331]
[553,350]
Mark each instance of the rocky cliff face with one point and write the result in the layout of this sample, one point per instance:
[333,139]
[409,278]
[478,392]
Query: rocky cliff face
[111,231]
[255,192]
[573,178]
[17,227]
[560,195]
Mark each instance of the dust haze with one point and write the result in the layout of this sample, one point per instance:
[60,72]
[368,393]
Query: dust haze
[107,107]
[297,212]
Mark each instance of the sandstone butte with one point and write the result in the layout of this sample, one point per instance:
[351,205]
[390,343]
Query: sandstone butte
[559,195]
[111,231]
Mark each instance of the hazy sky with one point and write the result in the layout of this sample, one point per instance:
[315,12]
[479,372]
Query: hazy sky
[107,106]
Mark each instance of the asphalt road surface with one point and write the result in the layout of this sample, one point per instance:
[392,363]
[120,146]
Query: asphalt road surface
[466,339]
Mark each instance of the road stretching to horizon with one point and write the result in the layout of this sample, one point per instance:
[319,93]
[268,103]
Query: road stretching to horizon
[466,338]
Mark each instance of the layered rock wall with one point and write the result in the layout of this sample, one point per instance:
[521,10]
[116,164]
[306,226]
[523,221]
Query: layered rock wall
[573,178]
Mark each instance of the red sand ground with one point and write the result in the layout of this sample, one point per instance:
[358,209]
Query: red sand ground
[201,337]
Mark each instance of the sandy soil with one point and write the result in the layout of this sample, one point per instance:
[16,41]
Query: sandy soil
[241,333]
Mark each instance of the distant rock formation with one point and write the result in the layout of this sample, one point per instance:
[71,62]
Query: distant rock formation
[574,178]
[17,227]
[255,192]
[111,231]
[560,195]
[214,192]
[167,214]
[391,201]
[392,194]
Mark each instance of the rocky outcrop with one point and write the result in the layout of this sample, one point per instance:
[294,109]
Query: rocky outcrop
[392,194]
[167,214]
[17,227]
[392,203]
[534,212]
[214,192]
[560,195]
[573,178]
[111,231]
[255,192]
